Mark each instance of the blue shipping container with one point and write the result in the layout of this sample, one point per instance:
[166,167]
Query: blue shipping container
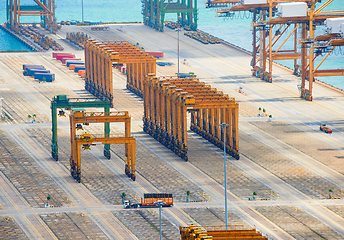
[49,77]
[32,66]
[32,71]
[78,68]
[74,62]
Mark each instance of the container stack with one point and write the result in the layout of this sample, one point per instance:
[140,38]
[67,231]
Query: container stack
[71,62]
[38,72]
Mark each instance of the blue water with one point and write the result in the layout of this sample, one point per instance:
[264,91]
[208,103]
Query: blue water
[236,30]
[10,43]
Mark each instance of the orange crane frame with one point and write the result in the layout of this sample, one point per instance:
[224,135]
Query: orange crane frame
[263,51]
[166,103]
[99,59]
[81,117]
[46,10]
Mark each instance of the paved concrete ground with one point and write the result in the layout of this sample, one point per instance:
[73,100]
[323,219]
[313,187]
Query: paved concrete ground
[288,161]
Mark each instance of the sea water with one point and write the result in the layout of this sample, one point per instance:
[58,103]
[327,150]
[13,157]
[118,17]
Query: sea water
[236,30]
[9,43]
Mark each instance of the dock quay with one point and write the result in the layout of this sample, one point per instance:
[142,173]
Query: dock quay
[294,168]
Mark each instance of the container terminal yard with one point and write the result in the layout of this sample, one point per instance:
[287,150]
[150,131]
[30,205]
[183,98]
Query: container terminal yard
[284,179]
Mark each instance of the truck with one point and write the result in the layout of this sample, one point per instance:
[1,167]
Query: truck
[149,201]
[325,129]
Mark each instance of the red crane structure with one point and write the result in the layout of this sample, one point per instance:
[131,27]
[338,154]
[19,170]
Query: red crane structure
[43,8]
[270,24]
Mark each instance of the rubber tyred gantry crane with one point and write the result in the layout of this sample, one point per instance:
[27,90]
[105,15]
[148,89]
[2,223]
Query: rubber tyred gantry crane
[86,140]
[167,101]
[62,102]
[99,59]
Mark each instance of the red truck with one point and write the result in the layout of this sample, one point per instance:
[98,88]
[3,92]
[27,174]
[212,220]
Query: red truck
[149,201]
[325,129]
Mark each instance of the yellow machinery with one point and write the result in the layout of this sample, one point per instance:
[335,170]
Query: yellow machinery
[78,38]
[194,232]
[86,140]
[99,59]
[166,103]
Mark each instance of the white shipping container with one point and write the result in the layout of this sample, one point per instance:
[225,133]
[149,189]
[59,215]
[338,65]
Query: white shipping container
[342,29]
[333,24]
[296,9]
[254,1]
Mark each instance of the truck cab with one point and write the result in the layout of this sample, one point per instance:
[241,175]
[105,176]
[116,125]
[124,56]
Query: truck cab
[325,129]
[127,204]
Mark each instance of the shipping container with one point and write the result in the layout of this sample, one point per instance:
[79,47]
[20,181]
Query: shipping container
[150,199]
[31,71]
[82,73]
[82,67]
[156,54]
[333,25]
[30,65]
[295,9]
[342,29]
[63,56]
[254,1]
[68,63]
[72,66]
[26,72]
[49,77]
[65,59]
[55,54]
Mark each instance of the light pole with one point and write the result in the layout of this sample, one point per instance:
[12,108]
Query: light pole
[82,11]
[1,115]
[159,203]
[223,126]
[178,30]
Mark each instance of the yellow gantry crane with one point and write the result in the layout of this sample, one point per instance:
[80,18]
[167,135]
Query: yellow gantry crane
[167,101]
[77,118]
[101,57]
[270,24]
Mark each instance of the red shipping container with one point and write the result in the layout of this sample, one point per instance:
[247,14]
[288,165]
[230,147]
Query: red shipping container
[55,54]
[59,57]
[156,54]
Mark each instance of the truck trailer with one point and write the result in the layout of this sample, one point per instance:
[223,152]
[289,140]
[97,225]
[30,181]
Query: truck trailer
[149,201]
